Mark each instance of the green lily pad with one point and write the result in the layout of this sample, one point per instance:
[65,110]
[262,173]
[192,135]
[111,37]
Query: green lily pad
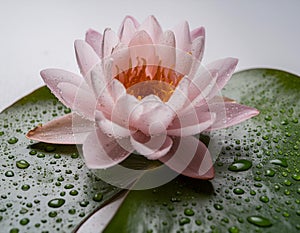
[44,188]
[257,183]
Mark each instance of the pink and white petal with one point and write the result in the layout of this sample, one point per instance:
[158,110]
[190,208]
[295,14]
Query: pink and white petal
[223,70]
[99,86]
[183,37]
[128,18]
[127,29]
[109,42]
[197,32]
[190,157]
[78,98]
[94,39]
[141,50]
[101,151]
[86,57]
[167,51]
[168,39]
[97,79]
[140,38]
[191,124]
[228,114]
[68,129]
[110,128]
[52,77]
[197,48]
[152,27]
[180,95]
[117,89]
[154,116]
[125,111]
[209,80]
[154,148]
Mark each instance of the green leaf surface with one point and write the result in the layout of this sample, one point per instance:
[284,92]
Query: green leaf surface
[44,188]
[257,183]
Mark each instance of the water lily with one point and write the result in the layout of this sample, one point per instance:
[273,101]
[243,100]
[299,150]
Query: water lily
[143,90]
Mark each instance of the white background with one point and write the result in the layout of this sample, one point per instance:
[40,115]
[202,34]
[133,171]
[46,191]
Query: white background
[36,34]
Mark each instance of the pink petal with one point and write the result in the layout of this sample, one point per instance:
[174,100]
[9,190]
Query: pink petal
[101,151]
[197,32]
[98,81]
[209,81]
[168,38]
[125,110]
[197,48]
[68,129]
[78,98]
[184,63]
[152,116]
[94,39]
[127,29]
[223,70]
[200,86]
[229,114]
[126,19]
[110,128]
[183,37]
[86,56]
[180,95]
[117,89]
[154,148]
[190,157]
[191,123]
[167,51]
[140,38]
[110,42]
[152,27]
[52,77]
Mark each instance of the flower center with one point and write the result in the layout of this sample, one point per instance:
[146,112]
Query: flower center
[150,79]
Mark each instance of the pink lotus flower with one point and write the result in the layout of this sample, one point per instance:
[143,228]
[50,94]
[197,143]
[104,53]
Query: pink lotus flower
[143,90]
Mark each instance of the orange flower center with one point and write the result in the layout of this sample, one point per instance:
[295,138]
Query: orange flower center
[144,80]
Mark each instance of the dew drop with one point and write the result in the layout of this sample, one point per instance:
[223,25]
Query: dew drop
[259,221]
[296,177]
[56,203]
[270,172]
[281,162]
[73,192]
[98,197]
[240,165]
[22,164]
[198,222]
[52,214]
[184,221]
[9,174]
[233,229]
[189,212]
[13,140]
[264,199]
[69,186]
[218,206]
[25,187]
[84,203]
[238,191]
[33,152]
[14,230]
[41,155]
[24,221]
